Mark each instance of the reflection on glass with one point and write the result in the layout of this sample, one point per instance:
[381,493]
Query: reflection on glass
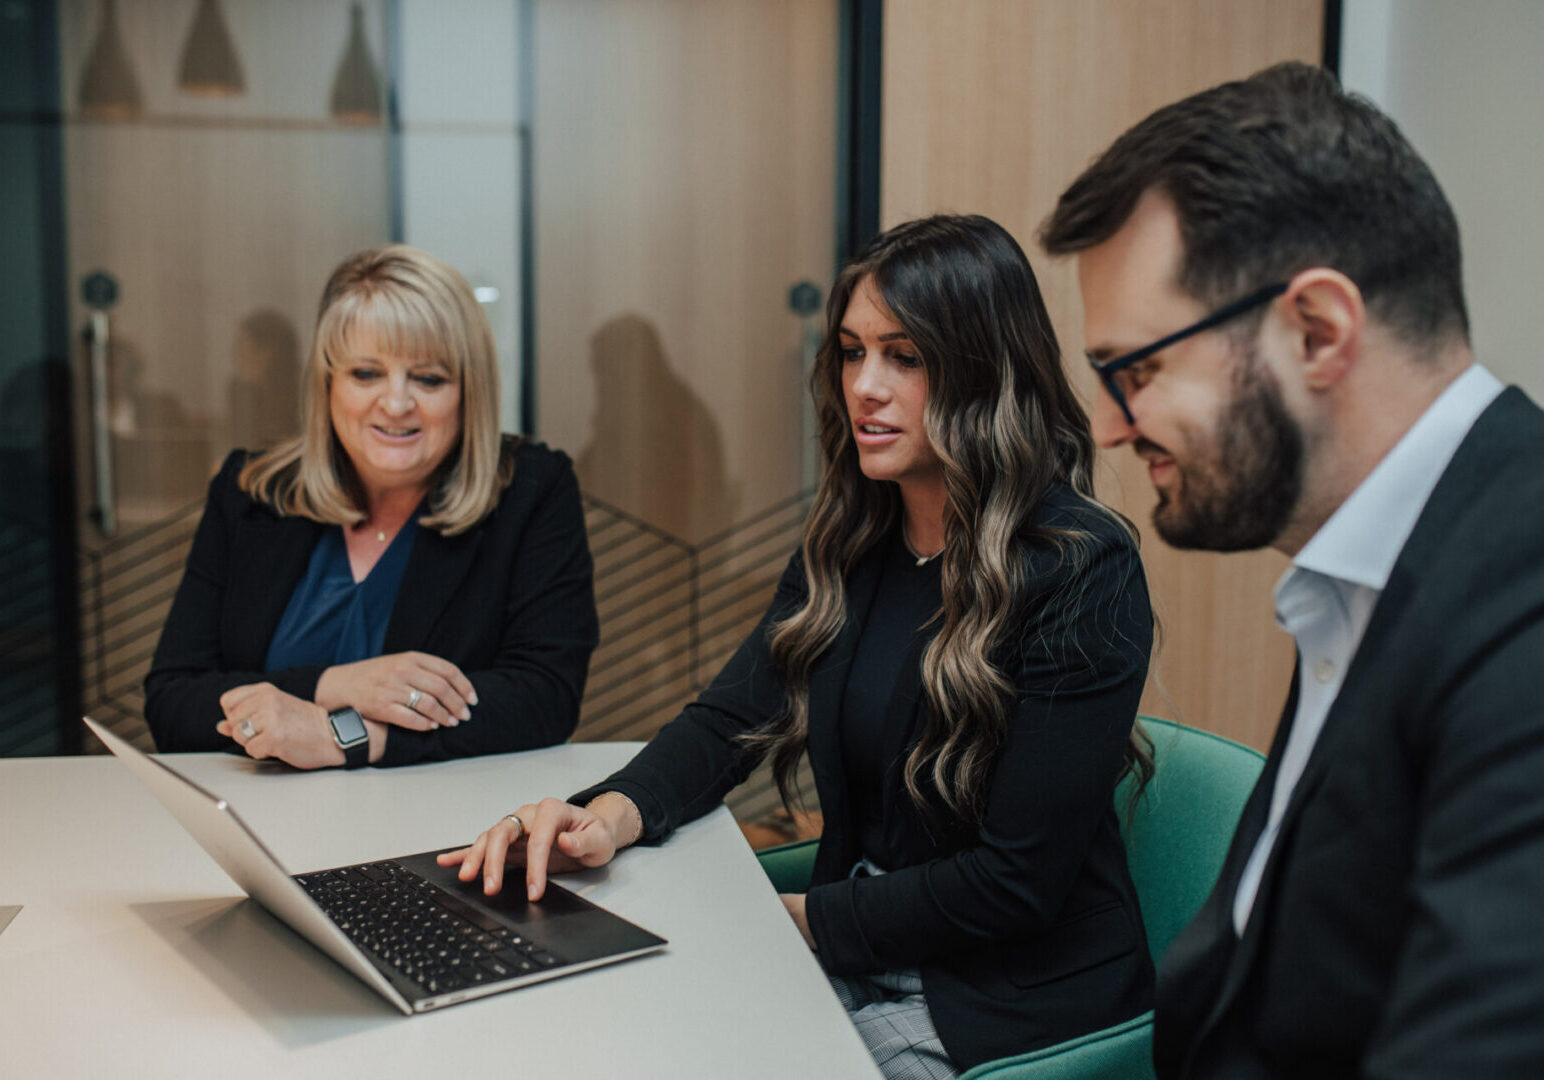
[356,92]
[655,447]
[263,396]
[108,87]
[210,66]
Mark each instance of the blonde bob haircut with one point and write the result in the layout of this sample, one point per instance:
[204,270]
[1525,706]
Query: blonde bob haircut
[415,306]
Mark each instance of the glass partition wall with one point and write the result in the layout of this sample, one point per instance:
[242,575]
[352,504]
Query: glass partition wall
[644,194]
[220,157]
[39,636]
[685,179]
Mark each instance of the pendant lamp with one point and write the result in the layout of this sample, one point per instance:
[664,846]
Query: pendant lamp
[107,85]
[210,66]
[356,92]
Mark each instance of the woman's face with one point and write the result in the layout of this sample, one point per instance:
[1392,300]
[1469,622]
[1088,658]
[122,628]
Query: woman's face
[885,388]
[397,418]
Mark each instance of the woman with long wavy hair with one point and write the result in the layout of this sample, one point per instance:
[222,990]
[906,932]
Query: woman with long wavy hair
[959,647]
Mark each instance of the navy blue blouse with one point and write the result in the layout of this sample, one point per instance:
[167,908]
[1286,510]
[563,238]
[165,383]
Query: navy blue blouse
[331,618]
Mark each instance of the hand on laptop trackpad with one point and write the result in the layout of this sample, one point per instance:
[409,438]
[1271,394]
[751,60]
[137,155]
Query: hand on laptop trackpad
[511,903]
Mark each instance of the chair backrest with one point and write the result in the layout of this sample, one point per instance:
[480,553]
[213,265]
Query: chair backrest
[1178,833]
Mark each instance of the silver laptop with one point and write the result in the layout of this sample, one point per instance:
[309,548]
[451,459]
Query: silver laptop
[406,927]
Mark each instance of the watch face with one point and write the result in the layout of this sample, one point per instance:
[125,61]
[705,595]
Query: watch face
[348,727]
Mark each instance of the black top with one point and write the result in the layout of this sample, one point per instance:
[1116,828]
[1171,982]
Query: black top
[1399,926]
[510,602]
[1025,925]
[899,626]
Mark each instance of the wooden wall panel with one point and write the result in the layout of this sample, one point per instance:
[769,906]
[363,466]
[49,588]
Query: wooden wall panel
[685,179]
[994,106]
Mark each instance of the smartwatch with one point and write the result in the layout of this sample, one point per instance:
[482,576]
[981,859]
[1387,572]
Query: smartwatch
[351,735]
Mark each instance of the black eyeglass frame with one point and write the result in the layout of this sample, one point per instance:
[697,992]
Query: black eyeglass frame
[1108,369]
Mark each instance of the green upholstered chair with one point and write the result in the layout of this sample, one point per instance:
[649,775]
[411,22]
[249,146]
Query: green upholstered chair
[789,865]
[1176,837]
[1180,830]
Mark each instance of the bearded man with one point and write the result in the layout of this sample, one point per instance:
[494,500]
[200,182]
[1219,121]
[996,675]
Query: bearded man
[1273,300]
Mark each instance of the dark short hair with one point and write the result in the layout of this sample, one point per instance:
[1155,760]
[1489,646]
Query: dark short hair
[1272,175]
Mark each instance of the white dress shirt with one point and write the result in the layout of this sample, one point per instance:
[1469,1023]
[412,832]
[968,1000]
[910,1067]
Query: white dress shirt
[1325,599]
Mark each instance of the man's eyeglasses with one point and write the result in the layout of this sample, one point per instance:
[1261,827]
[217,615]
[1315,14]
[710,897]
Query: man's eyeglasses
[1110,371]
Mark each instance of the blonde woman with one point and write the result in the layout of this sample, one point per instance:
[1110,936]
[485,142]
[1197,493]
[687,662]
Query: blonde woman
[399,583]
[959,648]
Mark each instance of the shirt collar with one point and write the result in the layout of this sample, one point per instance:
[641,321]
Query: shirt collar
[1363,538]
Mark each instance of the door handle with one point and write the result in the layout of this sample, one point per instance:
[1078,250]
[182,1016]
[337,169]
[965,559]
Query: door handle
[100,292]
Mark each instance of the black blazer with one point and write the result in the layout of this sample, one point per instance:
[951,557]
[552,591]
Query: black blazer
[1399,926]
[1026,928]
[510,602]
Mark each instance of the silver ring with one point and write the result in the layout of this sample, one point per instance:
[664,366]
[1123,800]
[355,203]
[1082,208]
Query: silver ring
[247,729]
[414,698]
[516,819]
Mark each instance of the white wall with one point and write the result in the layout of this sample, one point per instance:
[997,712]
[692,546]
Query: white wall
[460,157]
[1465,83]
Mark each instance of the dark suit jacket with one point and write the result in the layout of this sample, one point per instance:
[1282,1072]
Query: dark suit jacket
[1399,926]
[1025,927]
[510,602]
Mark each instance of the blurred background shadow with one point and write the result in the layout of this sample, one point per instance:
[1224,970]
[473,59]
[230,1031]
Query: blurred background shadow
[655,449]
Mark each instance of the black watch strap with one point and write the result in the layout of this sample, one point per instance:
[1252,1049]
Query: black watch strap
[356,757]
[351,735]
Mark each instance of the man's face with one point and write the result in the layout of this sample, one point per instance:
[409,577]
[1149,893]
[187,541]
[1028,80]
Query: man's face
[1222,449]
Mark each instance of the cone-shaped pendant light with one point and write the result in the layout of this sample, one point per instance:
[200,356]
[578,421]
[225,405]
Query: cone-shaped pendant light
[210,66]
[107,85]
[356,92]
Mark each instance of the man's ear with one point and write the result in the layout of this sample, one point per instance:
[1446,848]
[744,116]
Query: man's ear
[1324,309]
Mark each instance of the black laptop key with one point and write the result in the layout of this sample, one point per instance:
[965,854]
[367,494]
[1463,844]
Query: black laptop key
[519,963]
[428,934]
[459,907]
[484,922]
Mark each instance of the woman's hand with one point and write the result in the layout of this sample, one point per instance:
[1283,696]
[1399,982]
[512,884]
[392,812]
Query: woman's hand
[794,902]
[550,836]
[412,690]
[281,726]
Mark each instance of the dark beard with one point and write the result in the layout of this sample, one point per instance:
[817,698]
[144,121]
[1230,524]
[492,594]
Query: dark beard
[1242,495]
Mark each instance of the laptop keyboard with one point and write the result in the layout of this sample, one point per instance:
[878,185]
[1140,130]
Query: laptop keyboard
[431,936]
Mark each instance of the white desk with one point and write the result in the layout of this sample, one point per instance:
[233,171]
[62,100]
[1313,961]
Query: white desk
[135,956]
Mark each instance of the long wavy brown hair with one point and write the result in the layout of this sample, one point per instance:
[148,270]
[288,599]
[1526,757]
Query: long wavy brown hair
[1006,425]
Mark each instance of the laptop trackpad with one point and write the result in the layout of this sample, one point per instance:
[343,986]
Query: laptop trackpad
[561,921]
